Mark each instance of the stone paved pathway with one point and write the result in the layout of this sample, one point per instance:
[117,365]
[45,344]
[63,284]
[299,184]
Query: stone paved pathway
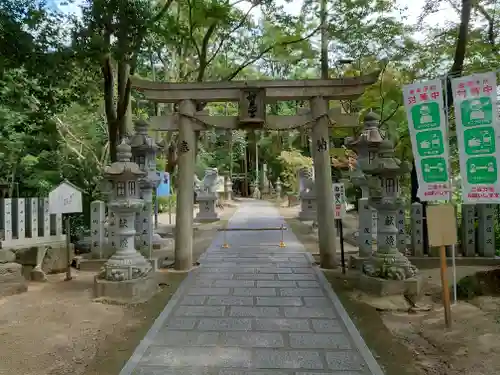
[253,309]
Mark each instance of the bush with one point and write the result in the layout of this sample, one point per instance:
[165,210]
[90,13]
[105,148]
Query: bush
[291,162]
[166,203]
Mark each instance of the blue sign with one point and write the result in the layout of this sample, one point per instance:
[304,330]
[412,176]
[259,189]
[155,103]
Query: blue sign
[163,190]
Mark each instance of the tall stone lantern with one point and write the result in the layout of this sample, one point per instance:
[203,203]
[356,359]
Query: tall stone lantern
[144,149]
[386,169]
[365,146]
[126,263]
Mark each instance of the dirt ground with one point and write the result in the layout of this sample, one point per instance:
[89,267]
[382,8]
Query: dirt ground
[56,329]
[417,342]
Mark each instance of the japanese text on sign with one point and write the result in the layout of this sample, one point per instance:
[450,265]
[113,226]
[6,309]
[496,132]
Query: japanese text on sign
[477,132]
[338,201]
[427,125]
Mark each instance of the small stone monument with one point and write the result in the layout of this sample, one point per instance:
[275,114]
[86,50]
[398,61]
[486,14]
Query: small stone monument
[127,276]
[207,197]
[307,195]
[387,263]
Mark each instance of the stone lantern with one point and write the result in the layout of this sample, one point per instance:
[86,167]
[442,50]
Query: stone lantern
[279,188]
[385,169]
[228,188]
[126,263]
[207,197]
[365,146]
[144,149]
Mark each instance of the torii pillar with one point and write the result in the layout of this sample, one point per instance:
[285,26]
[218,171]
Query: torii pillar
[186,159]
[323,182]
[252,97]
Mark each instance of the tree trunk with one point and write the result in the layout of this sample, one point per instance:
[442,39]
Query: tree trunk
[460,48]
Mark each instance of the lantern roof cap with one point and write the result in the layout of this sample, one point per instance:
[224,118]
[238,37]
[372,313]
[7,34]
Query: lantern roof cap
[123,166]
[141,139]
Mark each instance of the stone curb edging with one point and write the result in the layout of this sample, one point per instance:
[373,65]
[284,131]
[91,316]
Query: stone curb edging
[365,352]
[139,351]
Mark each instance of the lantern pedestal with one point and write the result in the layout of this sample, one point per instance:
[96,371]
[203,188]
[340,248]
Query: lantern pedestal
[381,287]
[308,206]
[127,291]
[127,276]
[207,212]
[387,262]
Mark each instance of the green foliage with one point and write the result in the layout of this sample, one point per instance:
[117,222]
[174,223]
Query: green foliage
[167,204]
[291,162]
[65,87]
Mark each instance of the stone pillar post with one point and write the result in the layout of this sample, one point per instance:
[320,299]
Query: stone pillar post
[323,183]
[7,219]
[185,179]
[146,215]
[417,229]
[365,236]
[97,217]
[32,218]
[486,233]
[21,218]
[401,230]
[44,217]
[468,230]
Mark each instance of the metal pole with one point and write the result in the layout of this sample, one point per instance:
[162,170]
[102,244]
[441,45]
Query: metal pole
[157,205]
[282,242]
[342,253]
[68,249]
[225,245]
[257,180]
[170,201]
[453,265]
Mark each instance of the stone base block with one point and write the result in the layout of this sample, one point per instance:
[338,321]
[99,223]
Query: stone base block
[37,274]
[434,251]
[428,262]
[54,261]
[128,291]
[307,216]
[381,287]
[12,280]
[207,219]
[90,264]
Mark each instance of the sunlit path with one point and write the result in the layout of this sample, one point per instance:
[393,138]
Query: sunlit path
[254,308]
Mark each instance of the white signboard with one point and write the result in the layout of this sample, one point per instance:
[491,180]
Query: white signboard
[65,199]
[429,138]
[475,99]
[339,201]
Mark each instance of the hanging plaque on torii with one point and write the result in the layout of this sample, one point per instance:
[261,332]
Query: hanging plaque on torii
[252,109]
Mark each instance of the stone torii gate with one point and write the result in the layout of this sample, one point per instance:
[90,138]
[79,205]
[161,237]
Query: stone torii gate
[252,97]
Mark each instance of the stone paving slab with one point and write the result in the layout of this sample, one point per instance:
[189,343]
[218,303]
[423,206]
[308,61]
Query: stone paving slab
[253,309]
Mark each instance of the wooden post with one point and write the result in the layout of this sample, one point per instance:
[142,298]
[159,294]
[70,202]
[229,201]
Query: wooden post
[444,284]
[68,249]
[442,232]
